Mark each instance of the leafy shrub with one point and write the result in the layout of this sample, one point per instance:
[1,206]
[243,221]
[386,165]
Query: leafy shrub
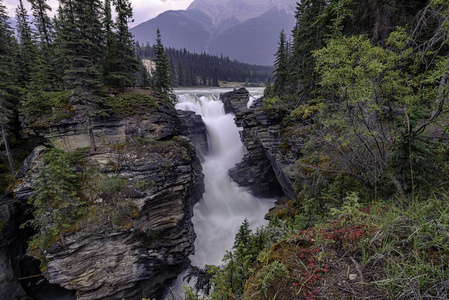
[269,276]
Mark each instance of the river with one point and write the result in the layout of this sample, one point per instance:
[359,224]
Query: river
[225,205]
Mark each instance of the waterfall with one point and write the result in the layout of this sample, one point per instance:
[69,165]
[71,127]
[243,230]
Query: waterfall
[225,205]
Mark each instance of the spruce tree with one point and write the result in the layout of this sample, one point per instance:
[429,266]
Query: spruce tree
[47,75]
[162,81]
[110,53]
[120,63]
[80,40]
[7,80]
[308,35]
[281,66]
[127,63]
[42,20]
[26,51]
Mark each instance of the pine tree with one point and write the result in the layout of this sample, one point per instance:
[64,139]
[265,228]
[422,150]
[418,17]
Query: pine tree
[120,61]
[242,237]
[42,20]
[281,65]
[47,75]
[54,198]
[110,53]
[80,40]
[308,36]
[7,80]
[27,50]
[162,81]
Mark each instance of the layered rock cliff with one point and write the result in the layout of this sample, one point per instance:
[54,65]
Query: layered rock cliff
[156,177]
[264,168]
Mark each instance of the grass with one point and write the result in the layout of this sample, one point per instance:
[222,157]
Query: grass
[395,250]
[130,104]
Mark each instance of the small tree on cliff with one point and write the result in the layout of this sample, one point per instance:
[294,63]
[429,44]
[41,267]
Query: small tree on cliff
[54,198]
[162,81]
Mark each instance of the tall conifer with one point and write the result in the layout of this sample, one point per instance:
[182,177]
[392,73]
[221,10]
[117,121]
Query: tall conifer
[120,63]
[281,66]
[127,62]
[7,80]
[162,81]
[80,40]
[26,52]
[47,76]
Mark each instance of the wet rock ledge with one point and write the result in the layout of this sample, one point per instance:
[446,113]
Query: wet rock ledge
[264,168]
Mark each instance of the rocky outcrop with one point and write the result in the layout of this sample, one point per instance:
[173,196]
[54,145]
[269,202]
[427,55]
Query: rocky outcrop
[193,127]
[163,181]
[264,168]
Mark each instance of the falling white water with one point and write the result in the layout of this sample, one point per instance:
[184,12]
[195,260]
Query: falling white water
[225,205]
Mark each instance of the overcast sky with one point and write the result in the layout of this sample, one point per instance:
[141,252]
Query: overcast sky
[143,9]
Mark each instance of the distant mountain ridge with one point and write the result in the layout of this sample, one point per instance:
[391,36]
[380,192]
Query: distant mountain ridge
[241,10]
[246,30]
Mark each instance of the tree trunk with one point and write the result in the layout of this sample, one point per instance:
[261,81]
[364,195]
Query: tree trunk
[8,150]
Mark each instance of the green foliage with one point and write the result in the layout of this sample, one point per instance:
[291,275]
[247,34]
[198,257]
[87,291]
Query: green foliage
[42,109]
[270,275]
[120,64]
[80,39]
[129,104]
[371,121]
[56,203]
[162,80]
[65,201]
[282,68]
[350,208]
[187,67]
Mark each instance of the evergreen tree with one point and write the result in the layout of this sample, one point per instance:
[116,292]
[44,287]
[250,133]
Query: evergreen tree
[42,20]
[121,63]
[54,198]
[7,80]
[47,75]
[215,77]
[80,40]
[162,81]
[110,53]
[281,65]
[307,37]
[27,50]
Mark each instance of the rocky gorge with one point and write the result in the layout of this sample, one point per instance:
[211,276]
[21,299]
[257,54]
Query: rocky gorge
[129,242]
[265,168]
[152,168]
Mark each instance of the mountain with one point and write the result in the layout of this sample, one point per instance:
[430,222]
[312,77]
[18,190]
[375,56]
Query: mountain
[222,10]
[246,30]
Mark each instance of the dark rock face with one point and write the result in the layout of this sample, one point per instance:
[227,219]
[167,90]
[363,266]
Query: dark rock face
[193,127]
[164,180]
[10,288]
[264,168]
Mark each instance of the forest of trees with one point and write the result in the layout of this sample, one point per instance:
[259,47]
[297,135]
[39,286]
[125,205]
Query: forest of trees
[369,81]
[76,58]
[192,69]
